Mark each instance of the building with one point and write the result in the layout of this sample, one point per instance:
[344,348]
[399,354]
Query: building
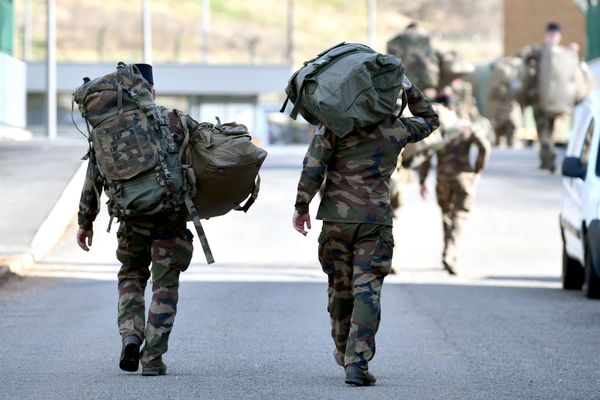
[12,79]
[206,91]
[525,21]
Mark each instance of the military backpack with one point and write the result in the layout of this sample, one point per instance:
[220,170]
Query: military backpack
[419,58]
[346,87]
[134,149]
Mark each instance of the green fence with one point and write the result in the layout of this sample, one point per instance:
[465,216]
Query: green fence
[6,26]
[593,30]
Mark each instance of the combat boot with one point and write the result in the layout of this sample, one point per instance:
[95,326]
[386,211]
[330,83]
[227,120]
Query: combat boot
[359,377]
[154,370]
[339,357]
[130,354]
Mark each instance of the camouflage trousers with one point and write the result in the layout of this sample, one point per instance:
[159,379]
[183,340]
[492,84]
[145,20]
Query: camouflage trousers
[163,242]
[455,198]
[505,128]
[547,126]
[356,258]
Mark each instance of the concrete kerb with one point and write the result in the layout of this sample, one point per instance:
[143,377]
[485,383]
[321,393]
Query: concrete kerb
[53,227]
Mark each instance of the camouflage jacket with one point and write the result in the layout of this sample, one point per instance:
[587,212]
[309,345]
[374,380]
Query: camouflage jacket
[359,166]
[89,203]
[453,158]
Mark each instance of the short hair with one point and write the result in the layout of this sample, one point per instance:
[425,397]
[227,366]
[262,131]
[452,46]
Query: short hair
[552,27]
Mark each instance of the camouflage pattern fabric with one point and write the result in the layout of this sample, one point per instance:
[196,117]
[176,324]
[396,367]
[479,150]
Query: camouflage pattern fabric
[89,204]
[456,179]
[164,242]
[359,166]
[355,246]
[546,125]
[356,259]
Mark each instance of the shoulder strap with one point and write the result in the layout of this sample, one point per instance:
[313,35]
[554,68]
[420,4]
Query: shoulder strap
[201,235]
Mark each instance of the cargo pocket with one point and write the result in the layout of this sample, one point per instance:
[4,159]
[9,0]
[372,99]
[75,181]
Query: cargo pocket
[325,254]
[383,252]
[175,253]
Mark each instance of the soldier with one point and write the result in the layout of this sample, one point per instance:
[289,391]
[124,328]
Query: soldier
[551,89]
[356,243]
[161,240]
[456,178]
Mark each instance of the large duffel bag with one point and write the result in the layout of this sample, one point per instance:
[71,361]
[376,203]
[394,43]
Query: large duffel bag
[419,58]
[346,87]
[557,79]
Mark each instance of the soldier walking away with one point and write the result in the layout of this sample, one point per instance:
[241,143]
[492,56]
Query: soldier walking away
[160,240]
[456,178]
[356,243]
[551,89]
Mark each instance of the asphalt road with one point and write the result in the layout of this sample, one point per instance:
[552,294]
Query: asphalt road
[254,326]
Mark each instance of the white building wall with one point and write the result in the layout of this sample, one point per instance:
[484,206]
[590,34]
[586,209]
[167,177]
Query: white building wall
[13,92]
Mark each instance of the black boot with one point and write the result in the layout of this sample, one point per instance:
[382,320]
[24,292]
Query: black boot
[130,354]
[359,377]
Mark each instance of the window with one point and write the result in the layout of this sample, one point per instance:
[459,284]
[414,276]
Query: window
[587,143]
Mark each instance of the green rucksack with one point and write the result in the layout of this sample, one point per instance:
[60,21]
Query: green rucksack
[419,58]
[226,165]
[134,149]
[346,87]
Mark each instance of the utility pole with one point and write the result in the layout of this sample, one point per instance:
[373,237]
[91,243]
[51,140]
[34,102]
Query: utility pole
[205,29]
[27,30]
[51,70]
[372,23]
[147,31]
[289,48]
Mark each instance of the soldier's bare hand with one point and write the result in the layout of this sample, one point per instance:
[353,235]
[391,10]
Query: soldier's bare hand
[84,238]
[423,191]
[299,220]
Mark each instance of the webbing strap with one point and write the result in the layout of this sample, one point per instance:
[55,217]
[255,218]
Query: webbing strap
[252,199]
[201,235]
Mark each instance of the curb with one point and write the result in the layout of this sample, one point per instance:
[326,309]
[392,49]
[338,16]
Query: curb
[51,230]
[57,221]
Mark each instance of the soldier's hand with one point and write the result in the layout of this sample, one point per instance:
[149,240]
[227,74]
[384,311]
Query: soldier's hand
[298,221]
[423,191]
[84,238]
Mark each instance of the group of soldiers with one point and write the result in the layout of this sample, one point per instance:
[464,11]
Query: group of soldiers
[513,83]
[354,173]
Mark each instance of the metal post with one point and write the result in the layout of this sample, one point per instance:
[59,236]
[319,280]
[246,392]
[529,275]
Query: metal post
[51,70]
[205,29]
[27,15]
[372,23]
[289,48]
[147,31]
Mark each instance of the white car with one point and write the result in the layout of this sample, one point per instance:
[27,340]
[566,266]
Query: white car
[580,209]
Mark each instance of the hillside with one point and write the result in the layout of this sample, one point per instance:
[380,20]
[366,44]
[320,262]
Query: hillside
[254,31]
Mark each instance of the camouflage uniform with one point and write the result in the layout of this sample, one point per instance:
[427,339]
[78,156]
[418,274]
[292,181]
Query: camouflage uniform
[355,246]
[456,178]
[160,240]
[547,124]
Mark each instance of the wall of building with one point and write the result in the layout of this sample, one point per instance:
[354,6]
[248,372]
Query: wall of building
[525,21]
[12,92]
[6,26]
[593,30]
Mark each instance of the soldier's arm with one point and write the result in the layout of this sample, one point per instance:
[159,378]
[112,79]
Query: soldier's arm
[484,148]
[423,170]
[89,203]
[424,120]
[313,170]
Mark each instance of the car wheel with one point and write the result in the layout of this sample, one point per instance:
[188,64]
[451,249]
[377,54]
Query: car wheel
[572,272]
[592,279]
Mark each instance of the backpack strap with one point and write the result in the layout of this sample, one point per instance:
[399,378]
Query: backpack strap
[251,199]
[201,235]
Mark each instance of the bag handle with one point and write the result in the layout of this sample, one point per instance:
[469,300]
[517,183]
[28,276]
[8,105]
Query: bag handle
[252,198]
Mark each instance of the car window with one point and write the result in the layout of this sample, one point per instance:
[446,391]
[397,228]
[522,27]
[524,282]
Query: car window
[587,142]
